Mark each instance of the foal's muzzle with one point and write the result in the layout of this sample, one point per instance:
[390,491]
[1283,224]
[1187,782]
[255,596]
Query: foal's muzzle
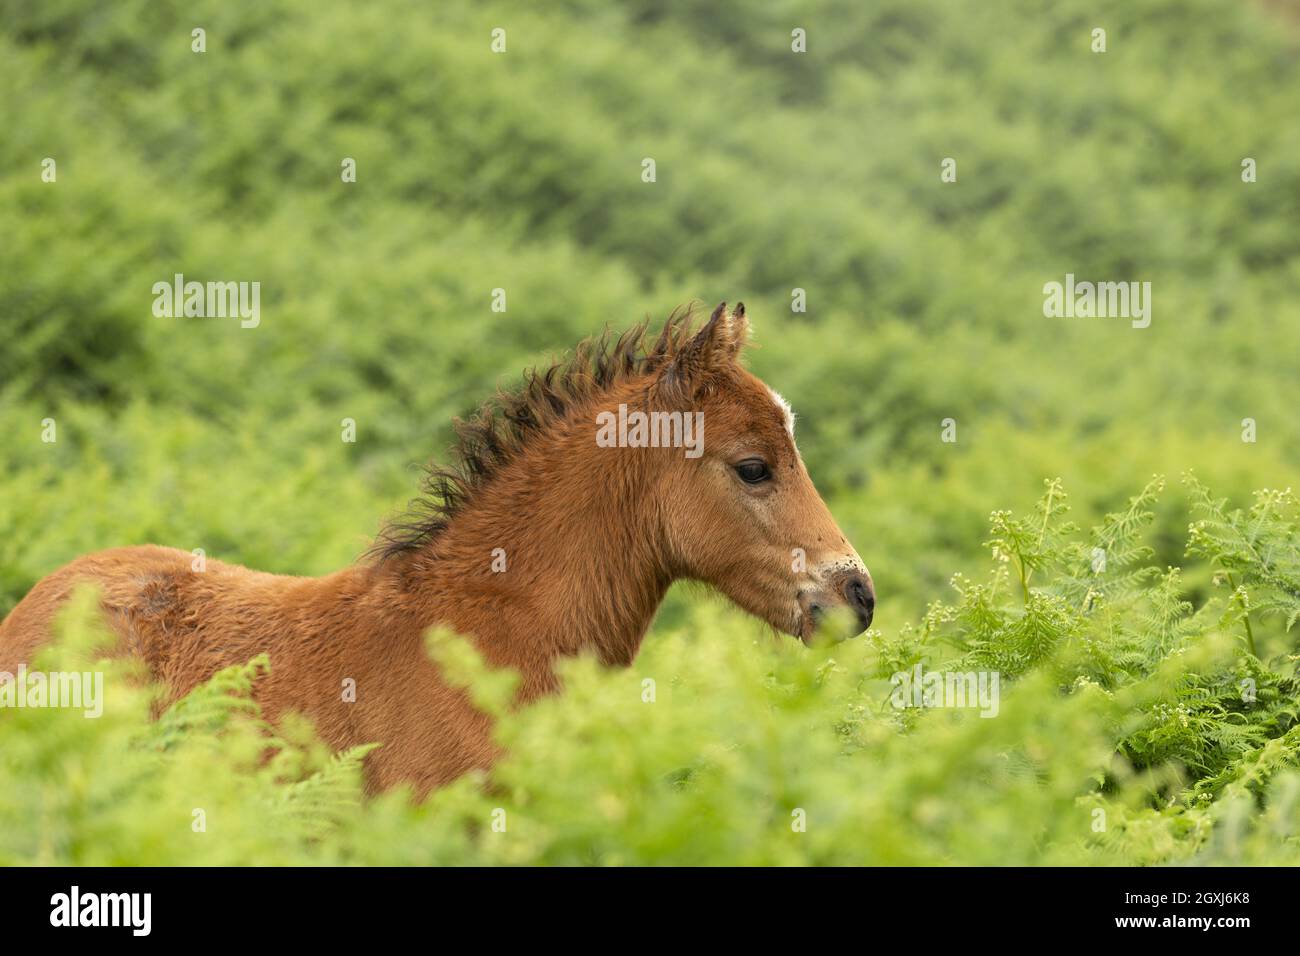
[852,590]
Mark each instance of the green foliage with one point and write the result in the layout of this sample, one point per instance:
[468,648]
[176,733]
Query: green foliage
[1261,545]
[1124,676]
[1130,728]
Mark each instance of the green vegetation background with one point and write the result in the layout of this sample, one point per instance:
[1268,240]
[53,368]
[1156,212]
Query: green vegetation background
[775,171]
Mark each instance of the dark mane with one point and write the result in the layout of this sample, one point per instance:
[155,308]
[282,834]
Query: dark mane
[503,425]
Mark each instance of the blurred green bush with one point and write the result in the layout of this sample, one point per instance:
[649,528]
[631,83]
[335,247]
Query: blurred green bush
[1124,733]
[775,171]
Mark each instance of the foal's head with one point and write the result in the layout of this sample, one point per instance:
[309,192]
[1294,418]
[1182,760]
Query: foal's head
[713,488]
[742,514]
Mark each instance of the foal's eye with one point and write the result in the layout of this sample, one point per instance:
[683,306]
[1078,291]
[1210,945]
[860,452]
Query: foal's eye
[753,470]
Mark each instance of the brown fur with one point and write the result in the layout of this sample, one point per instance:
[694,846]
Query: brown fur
[593,538]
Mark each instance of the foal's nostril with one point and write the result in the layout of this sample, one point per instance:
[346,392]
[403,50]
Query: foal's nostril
[861,598]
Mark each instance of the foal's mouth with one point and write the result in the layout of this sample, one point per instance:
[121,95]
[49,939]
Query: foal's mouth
[815,610]
[809,618]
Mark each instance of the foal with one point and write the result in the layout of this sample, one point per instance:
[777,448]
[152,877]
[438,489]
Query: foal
[542,542]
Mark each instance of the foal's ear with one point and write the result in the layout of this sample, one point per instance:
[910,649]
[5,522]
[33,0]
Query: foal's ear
[737,328]
[714,346]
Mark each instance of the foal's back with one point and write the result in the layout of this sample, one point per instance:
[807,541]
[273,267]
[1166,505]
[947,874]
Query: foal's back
[165,610]
[341,650]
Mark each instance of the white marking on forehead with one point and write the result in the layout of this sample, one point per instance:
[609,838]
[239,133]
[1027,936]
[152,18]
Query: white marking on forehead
[786,410]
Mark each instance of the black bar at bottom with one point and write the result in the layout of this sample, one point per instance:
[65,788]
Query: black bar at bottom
[330,906]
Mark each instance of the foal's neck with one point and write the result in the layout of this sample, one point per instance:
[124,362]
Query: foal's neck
[581,564]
